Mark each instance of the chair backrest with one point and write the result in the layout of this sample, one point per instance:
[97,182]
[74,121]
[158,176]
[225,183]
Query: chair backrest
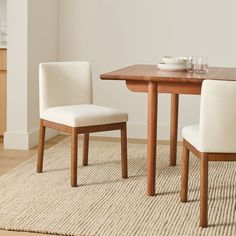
[64,83]
[217,131]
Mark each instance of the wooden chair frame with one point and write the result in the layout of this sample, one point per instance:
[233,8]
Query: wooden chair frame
[74,131]
[204,159]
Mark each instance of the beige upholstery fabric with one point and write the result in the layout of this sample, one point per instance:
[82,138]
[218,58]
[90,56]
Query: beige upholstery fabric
[83,115]
[64,83]
[65,91]
[191,134]
[217,128]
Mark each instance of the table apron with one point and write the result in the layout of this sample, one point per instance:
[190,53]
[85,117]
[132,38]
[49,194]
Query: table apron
[165,87]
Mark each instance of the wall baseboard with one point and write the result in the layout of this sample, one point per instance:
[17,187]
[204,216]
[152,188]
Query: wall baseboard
[130,140]
[25,141]
[139,131]
[136,131]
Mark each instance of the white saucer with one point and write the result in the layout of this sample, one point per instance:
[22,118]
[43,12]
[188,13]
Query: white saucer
[171,67]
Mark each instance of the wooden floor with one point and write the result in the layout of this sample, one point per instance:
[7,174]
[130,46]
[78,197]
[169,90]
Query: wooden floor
[9,159]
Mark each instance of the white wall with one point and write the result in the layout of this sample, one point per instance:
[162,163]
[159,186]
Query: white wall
[3,10]
[42,47]
[32,38]
[113,34]
[17,73]
[110,34]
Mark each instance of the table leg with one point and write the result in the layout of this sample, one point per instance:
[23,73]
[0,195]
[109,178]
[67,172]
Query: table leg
[152,136]
[174,128]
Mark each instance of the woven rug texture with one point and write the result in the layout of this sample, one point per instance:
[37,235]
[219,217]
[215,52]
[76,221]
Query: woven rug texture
[104,204]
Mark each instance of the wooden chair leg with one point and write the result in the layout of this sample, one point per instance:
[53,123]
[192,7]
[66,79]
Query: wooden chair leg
[124,162]
[203,190]
[86,149]
[174,128]
[184,177]
[41,147]
[74,150]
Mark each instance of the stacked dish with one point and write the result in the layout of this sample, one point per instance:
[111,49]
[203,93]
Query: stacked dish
[173,64]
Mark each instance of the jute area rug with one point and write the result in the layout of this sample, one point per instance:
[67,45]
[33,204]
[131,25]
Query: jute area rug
[104,204]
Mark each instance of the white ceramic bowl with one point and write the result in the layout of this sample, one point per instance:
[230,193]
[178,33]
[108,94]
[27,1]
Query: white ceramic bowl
[171,67]
[174,60]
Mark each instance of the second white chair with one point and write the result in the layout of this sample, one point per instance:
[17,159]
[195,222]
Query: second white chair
[214,139]
[65,92]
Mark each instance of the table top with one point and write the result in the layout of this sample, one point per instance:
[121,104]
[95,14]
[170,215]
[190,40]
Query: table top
[152,73]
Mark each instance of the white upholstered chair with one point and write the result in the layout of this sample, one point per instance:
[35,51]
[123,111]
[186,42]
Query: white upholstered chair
[65,94]
[214,139]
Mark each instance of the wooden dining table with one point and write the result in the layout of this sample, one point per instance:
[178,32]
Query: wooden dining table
[149,79]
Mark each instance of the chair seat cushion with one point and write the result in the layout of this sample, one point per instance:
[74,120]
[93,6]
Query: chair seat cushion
[191,135]
[83,115]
